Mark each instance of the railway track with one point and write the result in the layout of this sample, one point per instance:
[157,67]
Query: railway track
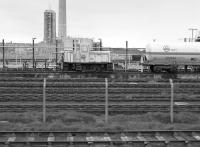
[104,139]
[95,109]
[88,95]
[118,74]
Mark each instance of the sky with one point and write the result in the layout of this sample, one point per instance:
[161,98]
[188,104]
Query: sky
[114,21]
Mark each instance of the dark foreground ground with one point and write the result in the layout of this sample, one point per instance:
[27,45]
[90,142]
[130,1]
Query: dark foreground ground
[74,121]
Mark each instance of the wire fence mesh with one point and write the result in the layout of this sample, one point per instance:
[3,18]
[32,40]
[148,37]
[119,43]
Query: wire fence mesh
[89,95]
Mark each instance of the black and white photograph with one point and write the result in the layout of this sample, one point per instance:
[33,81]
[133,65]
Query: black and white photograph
[99,73]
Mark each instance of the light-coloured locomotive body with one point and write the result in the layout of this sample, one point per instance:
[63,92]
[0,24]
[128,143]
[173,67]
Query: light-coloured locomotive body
[81,56]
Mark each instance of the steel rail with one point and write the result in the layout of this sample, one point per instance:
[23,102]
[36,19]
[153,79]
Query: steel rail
[102,137]
[126,76]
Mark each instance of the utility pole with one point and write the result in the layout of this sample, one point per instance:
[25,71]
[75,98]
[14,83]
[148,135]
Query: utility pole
[172,101]
[126,65]
[3,44]
[33,39]
[100,44]
[192,29]
[56,53]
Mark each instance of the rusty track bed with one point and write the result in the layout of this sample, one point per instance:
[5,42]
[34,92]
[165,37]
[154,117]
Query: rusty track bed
[113,75]
[131,138]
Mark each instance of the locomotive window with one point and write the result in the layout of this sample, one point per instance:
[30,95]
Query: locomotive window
[136,57]
[193,59]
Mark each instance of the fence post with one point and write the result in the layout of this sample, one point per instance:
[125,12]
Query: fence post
[44,101]
[106,100]
[172,101]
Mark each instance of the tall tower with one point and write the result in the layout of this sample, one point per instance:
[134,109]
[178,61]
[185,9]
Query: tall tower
[62,20]
[49,26]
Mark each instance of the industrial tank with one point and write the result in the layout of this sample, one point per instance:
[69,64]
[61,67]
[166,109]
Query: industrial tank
[179,53]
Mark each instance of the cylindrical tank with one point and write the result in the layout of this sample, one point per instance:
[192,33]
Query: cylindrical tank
[179,52]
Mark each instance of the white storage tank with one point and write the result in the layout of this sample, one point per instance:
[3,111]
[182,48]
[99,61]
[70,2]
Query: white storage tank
[179,52]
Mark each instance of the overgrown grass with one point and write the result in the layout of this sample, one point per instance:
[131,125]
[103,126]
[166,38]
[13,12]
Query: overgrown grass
[75,121]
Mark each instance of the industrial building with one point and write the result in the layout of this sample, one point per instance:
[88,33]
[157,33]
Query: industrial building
[51,49]
[62,27]
[49,26]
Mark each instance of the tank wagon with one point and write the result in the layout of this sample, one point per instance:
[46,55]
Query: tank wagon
[172,57]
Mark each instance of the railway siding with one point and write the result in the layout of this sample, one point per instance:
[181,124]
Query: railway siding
[24,94]
[144,138]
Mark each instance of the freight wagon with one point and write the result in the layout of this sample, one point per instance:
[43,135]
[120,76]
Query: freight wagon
[173,57]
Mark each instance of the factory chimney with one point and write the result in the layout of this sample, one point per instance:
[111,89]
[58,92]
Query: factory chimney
[62,28]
